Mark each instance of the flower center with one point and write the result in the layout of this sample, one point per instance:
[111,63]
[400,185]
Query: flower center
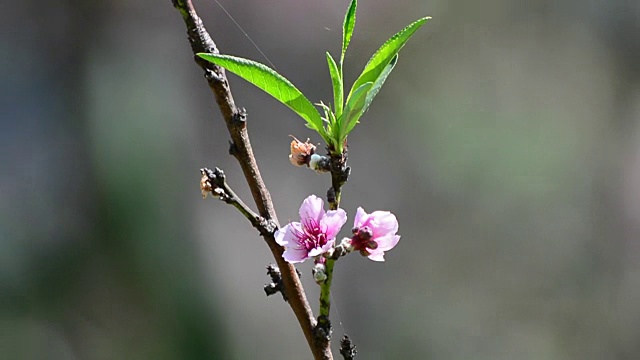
[362,239]
[311,236]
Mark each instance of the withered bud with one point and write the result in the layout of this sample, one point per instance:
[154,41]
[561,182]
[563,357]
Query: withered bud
[301,152]
[205,184]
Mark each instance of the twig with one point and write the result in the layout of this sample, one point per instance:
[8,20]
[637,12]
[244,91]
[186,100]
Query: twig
[276,282]
[214,182]
[339,176]
[235,120]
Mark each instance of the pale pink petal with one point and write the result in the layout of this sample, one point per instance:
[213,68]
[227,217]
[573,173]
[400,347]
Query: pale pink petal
[284,236]
[332,222]
[280,235]
[387,243]
[295,255]
[361,217]
[376,255]
[312,208]
[383,223]
[315,252]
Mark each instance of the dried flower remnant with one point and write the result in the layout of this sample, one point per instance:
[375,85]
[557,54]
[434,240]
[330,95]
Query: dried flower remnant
[205,184]
[374,233]
[304,153]
[301,152]
[314,235]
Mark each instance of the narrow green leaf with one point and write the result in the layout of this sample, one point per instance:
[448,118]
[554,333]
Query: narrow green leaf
[385,54]
[272,83]
[347,28]
[332,130]
[359,104]
[336,81]
[327,112]
[353,110]
[379,82]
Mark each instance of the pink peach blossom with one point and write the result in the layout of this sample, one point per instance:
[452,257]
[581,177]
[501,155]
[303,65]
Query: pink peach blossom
[314,235]
[374,233]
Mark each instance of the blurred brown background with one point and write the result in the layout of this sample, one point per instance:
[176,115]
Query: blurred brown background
[506,142]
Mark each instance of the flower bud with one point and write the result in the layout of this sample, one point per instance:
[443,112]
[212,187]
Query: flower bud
[319,272]
[346,244]
[319,163]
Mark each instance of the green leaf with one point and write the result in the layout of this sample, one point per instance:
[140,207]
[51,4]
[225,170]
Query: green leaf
[332,124]
[379,82]
[353,110]
[385,54]
[272,83]
[360,101]
[347,28]
[336,81]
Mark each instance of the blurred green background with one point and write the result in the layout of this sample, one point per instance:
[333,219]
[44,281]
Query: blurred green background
[506,142]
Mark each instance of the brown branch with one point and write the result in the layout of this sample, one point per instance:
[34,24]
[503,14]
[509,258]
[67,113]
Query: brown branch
[214,182]
[235,120]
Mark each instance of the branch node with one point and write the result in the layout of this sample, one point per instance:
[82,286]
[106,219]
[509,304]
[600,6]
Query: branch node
[269,225]
[322,331]
[339,176]
[211,76]
[240,117]
[276,284]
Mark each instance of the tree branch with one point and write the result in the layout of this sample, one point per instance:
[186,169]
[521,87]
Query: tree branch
[235,120]
[214,182]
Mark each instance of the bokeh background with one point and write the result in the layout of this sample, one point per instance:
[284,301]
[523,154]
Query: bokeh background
[506,141]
